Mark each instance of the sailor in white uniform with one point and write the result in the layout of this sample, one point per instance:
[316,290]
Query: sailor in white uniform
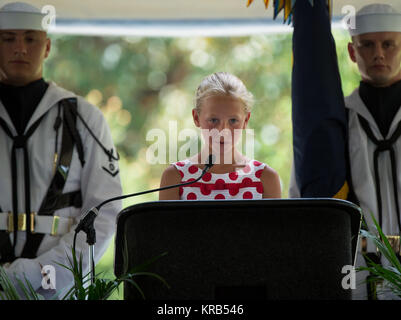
[374,121]
[57,159]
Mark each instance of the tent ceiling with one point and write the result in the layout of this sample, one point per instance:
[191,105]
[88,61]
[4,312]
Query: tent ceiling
[174,17]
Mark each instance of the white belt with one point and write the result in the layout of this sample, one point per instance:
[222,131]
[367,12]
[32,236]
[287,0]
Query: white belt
[53,225]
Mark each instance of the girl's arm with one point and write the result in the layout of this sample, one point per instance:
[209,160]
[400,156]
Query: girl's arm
[170,177]
[271,183]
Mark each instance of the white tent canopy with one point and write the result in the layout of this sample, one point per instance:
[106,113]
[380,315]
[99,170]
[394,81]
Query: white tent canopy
[175,17]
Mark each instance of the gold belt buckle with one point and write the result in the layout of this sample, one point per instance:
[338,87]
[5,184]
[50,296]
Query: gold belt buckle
[21,222]
[56,220]
[364,245]
[32,226]
[10,220]
[395,243]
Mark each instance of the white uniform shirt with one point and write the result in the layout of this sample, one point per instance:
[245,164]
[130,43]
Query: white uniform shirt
[96,185]
[361,150]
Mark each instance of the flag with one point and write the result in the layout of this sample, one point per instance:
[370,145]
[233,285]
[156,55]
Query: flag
[287,6]
[318,109]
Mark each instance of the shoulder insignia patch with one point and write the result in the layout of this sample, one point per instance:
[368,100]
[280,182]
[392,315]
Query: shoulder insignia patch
[111,169]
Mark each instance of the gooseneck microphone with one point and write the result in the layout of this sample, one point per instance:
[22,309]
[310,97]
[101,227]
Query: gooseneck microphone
[86,224]
[90,216]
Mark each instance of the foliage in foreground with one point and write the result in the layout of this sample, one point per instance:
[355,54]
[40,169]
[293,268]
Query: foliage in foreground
[390,274]
[83,289]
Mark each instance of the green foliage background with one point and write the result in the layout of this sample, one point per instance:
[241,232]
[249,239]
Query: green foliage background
[143,83]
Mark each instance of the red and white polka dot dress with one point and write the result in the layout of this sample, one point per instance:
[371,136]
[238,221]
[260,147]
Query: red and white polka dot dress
[241,184]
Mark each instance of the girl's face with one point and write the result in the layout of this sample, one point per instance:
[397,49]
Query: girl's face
[222,119]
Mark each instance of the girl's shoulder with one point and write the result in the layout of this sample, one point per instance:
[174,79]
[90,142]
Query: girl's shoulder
[171,173]
[182,163]
[186,169]
[252,165]
[186,165]
[271,182]
[259,170]
[258,165]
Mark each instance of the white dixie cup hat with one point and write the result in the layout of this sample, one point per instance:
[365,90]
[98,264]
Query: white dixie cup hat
[21,16]
[376,18]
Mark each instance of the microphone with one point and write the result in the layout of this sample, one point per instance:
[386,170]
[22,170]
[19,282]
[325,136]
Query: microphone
[86,223]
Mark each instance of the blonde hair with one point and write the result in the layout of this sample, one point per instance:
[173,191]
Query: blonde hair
[223,84]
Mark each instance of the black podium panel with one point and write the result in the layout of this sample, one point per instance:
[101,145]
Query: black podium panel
[256,249]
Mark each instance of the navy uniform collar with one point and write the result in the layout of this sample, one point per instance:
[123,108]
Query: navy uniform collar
[382,102]
[21,102]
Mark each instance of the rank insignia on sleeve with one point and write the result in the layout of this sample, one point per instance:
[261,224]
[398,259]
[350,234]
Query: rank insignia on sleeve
[111,168]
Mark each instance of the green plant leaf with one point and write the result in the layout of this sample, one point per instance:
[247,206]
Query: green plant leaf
[9,289]
[23,289]
[137,287]
[147,263]
[154,275]
[102,288]
[391,274]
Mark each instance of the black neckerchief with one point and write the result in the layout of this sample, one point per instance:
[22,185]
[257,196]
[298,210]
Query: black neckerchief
[383,103]
[21,102]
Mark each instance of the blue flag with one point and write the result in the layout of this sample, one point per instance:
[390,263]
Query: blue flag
[318,109]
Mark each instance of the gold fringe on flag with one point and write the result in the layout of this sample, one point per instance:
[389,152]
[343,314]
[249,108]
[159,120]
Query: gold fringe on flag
[343,192]
[287,6]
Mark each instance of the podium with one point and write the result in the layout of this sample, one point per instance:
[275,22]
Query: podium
[271,249]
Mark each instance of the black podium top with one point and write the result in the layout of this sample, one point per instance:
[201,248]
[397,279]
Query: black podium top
[288,248]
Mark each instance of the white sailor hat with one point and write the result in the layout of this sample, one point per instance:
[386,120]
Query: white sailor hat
[376,18]
[21,16]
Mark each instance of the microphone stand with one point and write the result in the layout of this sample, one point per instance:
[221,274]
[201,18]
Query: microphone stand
[86,224]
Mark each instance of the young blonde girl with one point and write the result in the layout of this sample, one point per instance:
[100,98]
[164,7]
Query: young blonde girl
[223,108]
